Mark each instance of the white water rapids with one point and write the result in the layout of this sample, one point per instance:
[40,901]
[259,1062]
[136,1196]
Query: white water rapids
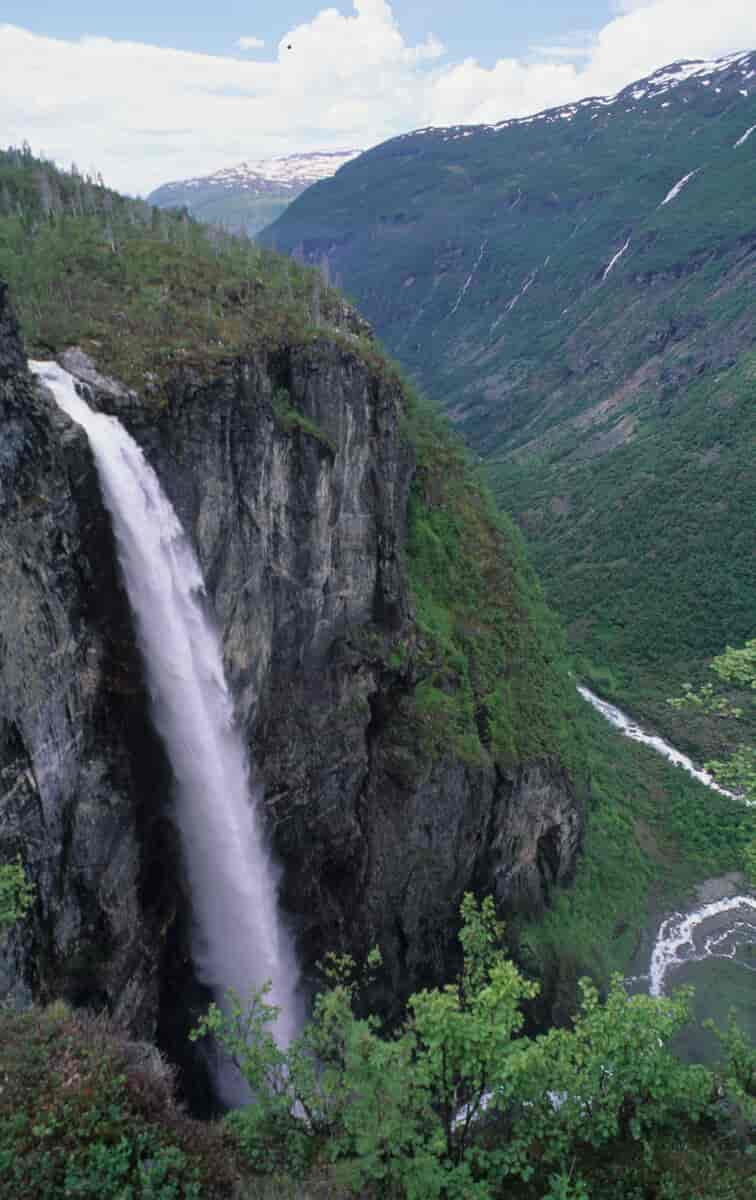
[237,939]
[626,725]
[702,933]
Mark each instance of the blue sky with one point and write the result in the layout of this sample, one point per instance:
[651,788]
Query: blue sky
[484,29]
[147,92]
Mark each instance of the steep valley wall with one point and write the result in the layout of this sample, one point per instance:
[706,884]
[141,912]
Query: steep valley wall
[299,522]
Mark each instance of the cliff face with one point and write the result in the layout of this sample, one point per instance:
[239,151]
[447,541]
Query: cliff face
[291,476]
[81,775]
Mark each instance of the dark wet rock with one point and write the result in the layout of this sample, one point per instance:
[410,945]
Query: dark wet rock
[299,525]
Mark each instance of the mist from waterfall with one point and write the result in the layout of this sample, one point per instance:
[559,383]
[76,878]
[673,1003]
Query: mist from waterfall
[237,939]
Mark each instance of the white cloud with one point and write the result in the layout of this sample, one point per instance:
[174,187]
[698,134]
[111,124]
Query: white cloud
[144,114]
[250,43]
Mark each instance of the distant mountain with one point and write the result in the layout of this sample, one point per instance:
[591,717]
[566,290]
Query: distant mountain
[247,197]
[578,287]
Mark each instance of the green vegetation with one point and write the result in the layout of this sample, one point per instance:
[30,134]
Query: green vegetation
[736,667]
[16,894]
[289,418]
[145,293]
[649,559]
[85,1113]
[738,772]
[480,674]
[236,211]
[652,833]
[457,1103]
[615,415]
[487,655]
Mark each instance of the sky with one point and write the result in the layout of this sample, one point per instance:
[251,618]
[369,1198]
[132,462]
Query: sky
[158,90]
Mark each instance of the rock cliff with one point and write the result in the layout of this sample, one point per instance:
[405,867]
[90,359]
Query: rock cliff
[82,778]
[291,473]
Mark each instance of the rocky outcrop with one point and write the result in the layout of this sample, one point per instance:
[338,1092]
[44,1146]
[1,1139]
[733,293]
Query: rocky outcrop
[299,523]
[82,776]
[291,476]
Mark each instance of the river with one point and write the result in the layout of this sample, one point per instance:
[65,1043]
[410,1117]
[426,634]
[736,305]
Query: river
[712,943]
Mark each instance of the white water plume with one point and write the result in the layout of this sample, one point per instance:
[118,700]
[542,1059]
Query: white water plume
[237,939]
[626,725]
[682,937]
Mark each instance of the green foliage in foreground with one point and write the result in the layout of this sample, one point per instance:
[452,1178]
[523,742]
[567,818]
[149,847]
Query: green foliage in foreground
[144,292]
[16,894]
[457,1103]
[84,1113]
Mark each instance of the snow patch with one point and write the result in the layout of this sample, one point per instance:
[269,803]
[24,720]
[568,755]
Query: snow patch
[286,172]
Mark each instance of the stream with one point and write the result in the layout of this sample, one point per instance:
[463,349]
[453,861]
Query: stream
[712,944]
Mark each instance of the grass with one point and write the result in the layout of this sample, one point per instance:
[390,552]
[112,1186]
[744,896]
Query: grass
[85,1112]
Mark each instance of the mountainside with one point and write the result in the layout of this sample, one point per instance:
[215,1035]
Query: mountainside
[577,288]
[396,674]
[247,197]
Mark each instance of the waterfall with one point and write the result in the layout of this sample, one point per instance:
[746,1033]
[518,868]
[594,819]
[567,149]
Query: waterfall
[237,940]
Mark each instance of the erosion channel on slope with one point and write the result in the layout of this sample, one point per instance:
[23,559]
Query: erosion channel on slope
[712,944]
[237,940]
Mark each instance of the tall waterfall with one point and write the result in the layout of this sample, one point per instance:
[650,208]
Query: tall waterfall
[237,938]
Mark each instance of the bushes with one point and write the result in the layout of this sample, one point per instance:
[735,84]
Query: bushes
[83,1114]
[457,1103]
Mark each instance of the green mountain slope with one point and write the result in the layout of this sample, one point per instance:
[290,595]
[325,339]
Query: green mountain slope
[479,671]
[144,292]
[237,212]
[577,288]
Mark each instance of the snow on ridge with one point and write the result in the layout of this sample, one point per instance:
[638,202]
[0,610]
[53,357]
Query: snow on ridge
[285,172]
[295,168]
[657,84]
[675,191]
[745,137]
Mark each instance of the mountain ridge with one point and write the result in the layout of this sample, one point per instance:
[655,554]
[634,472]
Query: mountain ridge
[243,197]
[567,284]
